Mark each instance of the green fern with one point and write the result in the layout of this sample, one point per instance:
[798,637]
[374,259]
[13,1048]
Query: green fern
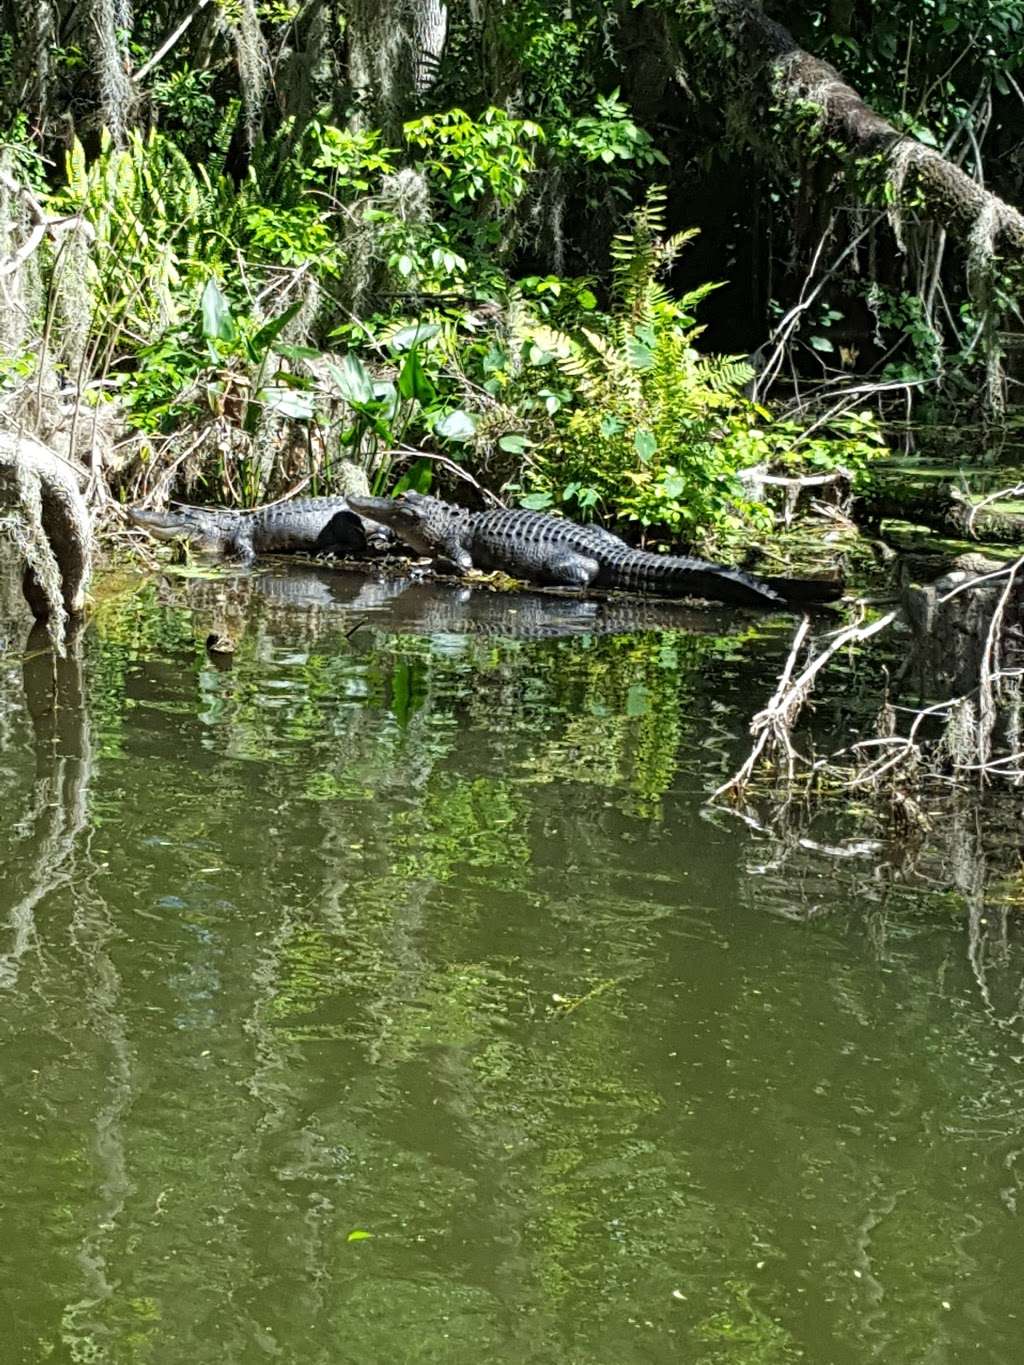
[653,436]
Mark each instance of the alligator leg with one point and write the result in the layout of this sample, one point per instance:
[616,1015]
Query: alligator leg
[452,555]
[570,570]
[241,546]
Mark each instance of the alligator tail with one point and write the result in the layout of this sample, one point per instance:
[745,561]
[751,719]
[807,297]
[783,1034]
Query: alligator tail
[723,584]
[807,591]
[678,576]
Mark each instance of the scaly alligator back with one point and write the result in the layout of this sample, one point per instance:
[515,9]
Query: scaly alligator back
[547,549]
[309,525]
[552,550]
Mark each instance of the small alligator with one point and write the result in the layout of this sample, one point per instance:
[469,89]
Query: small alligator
[313,525]
[551,550]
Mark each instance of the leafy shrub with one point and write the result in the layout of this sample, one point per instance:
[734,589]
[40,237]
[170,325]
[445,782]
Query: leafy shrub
[655,432]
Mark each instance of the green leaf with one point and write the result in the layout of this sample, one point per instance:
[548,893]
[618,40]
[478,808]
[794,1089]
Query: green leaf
[515,443]
[822,344]
[353,380]
[418,477]
[639,355]
[637,701]
[412,336]
[537,502]
[296,352]
[272,329]
[414,382]
[645,443]
[358,1235]
[218,323]
[287,402]
[456,426]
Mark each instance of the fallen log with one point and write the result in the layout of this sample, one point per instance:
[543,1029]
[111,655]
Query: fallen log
[944,509]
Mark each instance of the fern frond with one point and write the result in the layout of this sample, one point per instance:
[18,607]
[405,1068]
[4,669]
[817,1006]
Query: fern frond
[724,374]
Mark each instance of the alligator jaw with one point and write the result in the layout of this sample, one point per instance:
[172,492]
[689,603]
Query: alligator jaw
[200,533]
[403,516]
[374,508]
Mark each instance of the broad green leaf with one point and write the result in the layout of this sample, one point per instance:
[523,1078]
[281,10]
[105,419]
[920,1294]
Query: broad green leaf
[406,337]
[414,382]
[272,329]
[637,700]
[418,477]
[537,502]
[822,344]
[639,355]
[645,443]
[287,402]
[353,380]
[456,426]
[296,352]
[515,443]
[217,321]
[358,1235]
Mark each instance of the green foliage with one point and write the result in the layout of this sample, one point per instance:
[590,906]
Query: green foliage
[656,432]
[347,162]
[473,160]
[610,141]
[187,110]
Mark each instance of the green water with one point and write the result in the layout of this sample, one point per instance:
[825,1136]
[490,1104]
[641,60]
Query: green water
[393,997]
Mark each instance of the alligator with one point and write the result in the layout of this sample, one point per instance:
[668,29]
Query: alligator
[312,525]
[551,550]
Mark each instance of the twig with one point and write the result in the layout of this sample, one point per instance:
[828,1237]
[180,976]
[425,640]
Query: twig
[774,723]
[43,224]
[405,453]
[166,46]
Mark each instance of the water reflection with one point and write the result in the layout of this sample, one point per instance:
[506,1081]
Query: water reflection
[422,931]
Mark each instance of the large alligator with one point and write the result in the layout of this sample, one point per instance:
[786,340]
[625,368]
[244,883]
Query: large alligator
[310,525]
[551,550]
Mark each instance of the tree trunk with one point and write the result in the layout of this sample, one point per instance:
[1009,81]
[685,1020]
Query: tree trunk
[48,520]
[766,60]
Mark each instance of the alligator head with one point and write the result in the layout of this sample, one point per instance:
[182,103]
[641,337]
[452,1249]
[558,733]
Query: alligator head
[203,531]
[427,525]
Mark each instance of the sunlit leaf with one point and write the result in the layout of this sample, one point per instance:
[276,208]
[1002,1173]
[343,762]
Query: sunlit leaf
[217,321]
[413,335]
[537,502]
[456,426]
[353,380]
[287,402]
[645,443]
[515,443]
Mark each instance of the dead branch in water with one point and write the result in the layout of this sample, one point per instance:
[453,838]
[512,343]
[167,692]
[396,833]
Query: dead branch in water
[772,727]
[972,722]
